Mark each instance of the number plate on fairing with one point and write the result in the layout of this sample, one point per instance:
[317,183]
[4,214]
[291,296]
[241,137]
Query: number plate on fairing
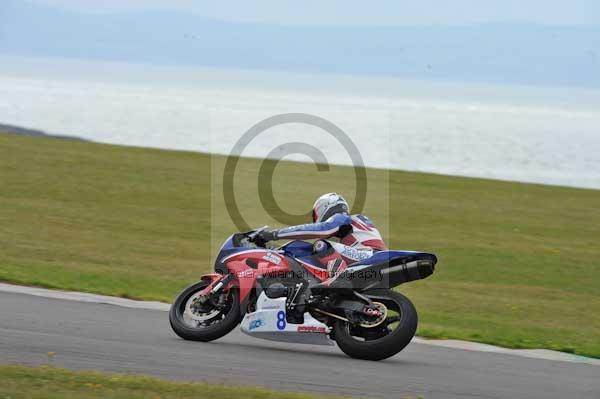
[268,322]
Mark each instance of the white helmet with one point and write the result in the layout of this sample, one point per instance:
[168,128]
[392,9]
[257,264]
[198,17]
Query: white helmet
[328,205]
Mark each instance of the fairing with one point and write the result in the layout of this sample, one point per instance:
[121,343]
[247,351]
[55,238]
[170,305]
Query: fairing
[383,269]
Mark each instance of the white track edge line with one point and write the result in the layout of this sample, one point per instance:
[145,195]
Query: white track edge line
[543,354]
[84,297]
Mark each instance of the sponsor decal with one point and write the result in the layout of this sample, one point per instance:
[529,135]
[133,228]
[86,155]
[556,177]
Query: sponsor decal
[272,257]
[312,329]
[320,246]
[254,324]
[357,254]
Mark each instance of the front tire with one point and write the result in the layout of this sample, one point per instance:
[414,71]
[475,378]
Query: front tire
[379,343]
[219,325]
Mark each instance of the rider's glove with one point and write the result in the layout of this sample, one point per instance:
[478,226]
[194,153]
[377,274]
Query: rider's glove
[264,236]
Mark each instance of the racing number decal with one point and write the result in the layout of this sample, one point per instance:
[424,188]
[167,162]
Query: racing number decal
[281,320]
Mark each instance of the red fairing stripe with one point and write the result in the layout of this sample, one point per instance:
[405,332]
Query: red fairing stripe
[321,274]
[244,254]
[361,226]
[375,244]
[349,240]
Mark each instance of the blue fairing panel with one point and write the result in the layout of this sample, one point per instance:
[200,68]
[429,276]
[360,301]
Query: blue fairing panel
[298,248]
[228,243]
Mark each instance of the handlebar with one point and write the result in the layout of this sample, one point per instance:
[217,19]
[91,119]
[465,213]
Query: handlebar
[247,239]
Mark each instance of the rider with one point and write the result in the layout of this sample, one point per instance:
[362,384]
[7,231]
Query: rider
[342,238]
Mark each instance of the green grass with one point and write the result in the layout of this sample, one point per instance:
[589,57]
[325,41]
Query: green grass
[519,263]
[18,382]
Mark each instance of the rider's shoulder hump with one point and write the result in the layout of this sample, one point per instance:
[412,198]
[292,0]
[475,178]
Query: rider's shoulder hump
[363,218]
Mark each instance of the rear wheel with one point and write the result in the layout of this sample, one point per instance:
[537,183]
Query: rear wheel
[196,319]
[385,339]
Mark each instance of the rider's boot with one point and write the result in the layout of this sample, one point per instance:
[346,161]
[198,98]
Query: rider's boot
[333,261]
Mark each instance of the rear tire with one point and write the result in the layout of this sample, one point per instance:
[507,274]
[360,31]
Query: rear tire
[209,333]
[388,345]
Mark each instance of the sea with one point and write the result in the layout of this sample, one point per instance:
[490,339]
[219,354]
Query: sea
[548,135]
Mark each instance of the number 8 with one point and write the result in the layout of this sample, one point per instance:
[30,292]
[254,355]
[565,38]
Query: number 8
[281,320]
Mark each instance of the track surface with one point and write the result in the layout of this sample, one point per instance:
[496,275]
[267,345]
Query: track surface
[112,338]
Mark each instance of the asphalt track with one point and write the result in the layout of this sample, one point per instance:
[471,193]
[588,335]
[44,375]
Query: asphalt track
[113,338]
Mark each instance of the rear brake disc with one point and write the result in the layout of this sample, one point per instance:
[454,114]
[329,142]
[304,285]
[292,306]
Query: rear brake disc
[377,321]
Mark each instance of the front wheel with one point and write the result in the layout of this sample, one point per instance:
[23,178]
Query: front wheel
[195,319]
[385,339]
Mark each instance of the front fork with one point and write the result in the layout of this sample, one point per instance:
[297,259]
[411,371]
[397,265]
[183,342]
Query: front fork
[218,283]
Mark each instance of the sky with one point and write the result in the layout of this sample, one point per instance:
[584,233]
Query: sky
[361,12]
[537,42]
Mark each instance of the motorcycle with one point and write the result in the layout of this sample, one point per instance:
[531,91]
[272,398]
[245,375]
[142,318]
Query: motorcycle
[278,294]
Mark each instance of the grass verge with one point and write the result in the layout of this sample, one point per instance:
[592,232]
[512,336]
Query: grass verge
[518,262]
[49,382]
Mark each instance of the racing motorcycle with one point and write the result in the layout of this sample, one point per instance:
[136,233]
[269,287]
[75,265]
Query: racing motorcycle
[277,294]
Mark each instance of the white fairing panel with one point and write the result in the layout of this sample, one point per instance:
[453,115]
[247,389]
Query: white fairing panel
[352,252]
[268,322]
